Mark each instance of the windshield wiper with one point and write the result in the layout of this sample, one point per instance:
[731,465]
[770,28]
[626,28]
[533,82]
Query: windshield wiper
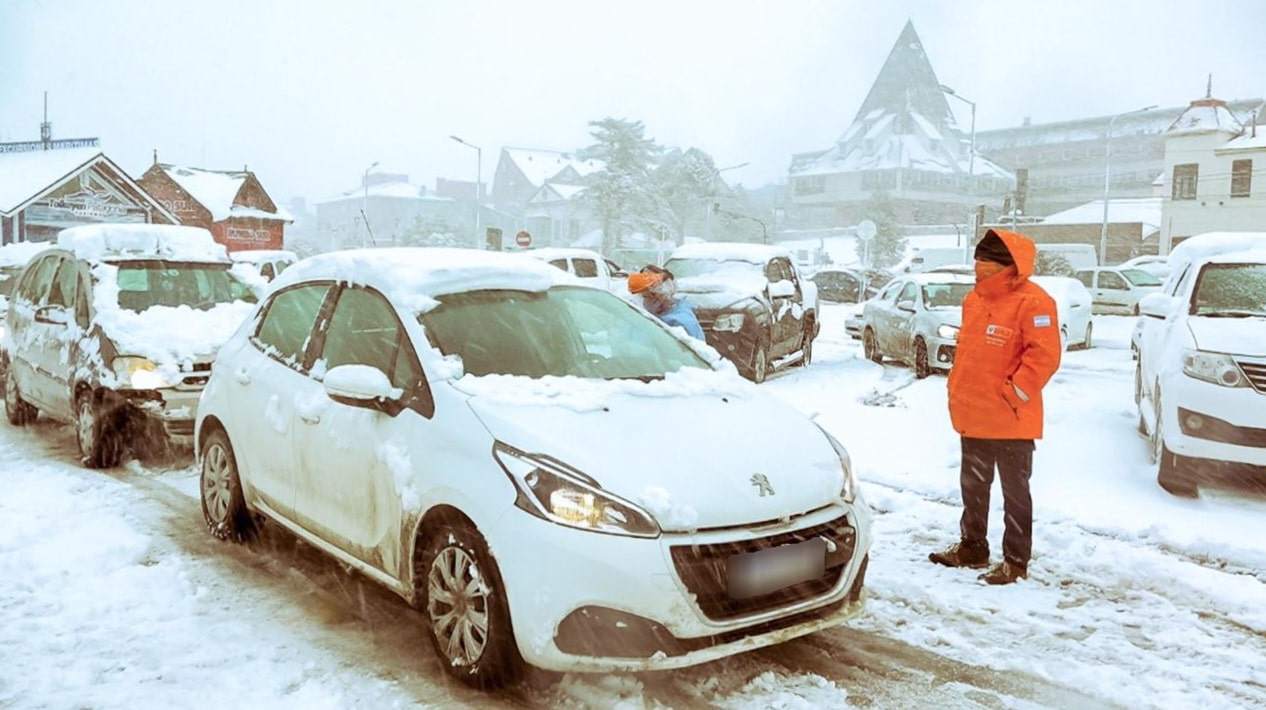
[640,378]
[1234,314]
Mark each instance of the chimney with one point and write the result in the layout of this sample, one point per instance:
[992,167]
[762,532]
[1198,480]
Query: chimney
[155,156]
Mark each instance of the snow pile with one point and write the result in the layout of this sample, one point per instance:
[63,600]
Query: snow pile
[731,251]
[395,456]
[19,253]
[248,274]
[672,516]
[169,337]
[98,241]
[259,256]
[589,395]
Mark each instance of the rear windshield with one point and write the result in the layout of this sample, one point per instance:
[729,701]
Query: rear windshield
[1138,277]
[145,284]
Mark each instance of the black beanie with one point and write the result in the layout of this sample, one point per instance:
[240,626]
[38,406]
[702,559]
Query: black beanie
[992,248]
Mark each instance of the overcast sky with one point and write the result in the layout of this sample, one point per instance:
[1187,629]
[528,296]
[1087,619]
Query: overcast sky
[310,93]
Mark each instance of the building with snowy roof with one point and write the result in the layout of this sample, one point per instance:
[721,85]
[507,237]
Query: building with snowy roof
[1214,177]
[49,185]
[903,141]
[522,172]
[231,204]
[388,210]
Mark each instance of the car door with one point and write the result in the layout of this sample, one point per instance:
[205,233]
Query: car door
[901,321]
[877,311]
[787,311]
[354,463]
[267,376]
[56,347]
[1155,338]
[27,354]
[1113,292]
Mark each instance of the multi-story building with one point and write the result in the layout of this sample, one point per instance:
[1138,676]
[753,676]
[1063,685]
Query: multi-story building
[388,210]
[232,204]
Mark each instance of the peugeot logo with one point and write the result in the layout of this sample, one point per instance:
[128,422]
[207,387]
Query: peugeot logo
[762,484]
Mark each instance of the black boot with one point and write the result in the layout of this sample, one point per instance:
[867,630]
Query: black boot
[963,554]
[1005,573]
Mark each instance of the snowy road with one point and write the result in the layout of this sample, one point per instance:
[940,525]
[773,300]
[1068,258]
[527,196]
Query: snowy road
[114,595]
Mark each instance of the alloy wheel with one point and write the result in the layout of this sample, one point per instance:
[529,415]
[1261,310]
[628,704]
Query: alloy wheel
[217,483]
[921,366]
[458,606]
[760,365]
[86,425]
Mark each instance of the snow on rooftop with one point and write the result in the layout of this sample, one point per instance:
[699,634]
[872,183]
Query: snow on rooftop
[213,189]
[258,255]
[1247,141]
[398,189]
[540,166]
[731,251]
[1203,116]
[24,175]
[1145,210]
[281,215]
[178,243]
[19,253]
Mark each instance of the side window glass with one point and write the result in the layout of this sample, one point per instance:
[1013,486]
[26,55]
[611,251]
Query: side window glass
[560,263]
[287,324]
[364,330]
[1111,281]
[585,268]
[81,304]
[65,283]
[1181,283]
[1087,278]
[908,293]
[25,290]
[43,280]
[267,271]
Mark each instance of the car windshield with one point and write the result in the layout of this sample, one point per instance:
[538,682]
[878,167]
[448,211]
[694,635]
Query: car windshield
[565,331]
[1230,291]
[686,268]
[145,284]
[1138,277]
[945,295]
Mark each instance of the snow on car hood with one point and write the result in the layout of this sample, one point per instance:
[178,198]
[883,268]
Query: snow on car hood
[713,291]
[684,450]
[172,336]
[1236,336]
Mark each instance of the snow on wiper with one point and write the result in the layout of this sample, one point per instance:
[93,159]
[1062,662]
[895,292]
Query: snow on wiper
[639,378]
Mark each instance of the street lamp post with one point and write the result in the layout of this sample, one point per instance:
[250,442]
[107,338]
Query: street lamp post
[1107,173]
[479,180]
[707,215]
[364,202]
[971,158]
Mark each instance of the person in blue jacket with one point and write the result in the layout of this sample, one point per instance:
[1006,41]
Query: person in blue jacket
[658,289]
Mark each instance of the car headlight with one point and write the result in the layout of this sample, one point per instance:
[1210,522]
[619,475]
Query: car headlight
[730,322]
[1216,368]
[554,491]
[947,331]
[139,373]
[849,490]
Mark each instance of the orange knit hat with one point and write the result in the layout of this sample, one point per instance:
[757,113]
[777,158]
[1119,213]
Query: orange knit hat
[643,281]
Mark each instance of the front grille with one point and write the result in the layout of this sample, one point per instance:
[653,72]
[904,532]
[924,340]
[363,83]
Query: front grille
[703,569]
[195,381]
[1256,373]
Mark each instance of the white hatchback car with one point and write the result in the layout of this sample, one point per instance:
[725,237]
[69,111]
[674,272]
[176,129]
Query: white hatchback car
[449,423]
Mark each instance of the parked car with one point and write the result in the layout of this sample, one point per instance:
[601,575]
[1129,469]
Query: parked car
[961,269]
[1117,289]
[926,259]
[1072,307]
[114,331]
[1078,256]
[269,263]
[915,320]
[1157,266]
[385,406]
[752,303]
[839,285]
[13,258]
[589,266]
[1200,379]
[854,324]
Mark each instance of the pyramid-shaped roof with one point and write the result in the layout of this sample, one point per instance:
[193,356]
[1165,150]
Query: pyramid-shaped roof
[907,83]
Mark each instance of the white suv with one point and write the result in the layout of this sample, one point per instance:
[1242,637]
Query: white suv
[450,422]
[1200,382]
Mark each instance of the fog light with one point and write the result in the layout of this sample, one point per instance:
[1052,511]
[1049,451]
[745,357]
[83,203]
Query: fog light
[943,357]
[1195,422]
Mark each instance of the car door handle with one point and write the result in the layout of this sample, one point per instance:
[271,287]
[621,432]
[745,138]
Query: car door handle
[242,376]
[310,418]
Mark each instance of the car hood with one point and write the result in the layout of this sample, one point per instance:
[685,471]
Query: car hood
[689,460]
[1236,336]
[169,336]
[715,292]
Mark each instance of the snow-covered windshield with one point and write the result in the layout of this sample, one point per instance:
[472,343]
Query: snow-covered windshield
[565,331]
[1138,277]
[687,268]
[149,283]
[1230,291]
[945,295]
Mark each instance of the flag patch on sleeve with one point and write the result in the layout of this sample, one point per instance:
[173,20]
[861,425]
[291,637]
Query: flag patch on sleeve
[1041,321]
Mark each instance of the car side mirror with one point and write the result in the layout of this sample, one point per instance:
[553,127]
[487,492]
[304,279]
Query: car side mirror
[782,289]
[619,274]
[52,315]
[907,306]
[1156,305]
[363,386]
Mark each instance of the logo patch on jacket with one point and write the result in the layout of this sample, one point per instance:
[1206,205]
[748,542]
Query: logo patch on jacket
[1041,321]
[998,335]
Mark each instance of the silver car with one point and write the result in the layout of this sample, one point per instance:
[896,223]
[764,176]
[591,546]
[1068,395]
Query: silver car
[915,320]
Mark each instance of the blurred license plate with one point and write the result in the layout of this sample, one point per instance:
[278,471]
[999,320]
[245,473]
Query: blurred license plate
[766,571]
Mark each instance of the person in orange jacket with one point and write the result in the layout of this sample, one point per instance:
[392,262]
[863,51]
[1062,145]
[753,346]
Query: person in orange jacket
[1008,348]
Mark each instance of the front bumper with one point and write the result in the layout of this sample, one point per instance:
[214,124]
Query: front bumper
[1233,427]
[171,410]
[590,602]
[941,352]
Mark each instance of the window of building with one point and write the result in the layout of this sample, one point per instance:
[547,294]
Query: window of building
[811,185]
[1241,177]
[1185,177]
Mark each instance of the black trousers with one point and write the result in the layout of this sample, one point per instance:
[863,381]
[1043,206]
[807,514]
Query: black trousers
[1014,460]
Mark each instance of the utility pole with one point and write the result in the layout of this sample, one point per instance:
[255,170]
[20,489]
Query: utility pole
[1107,172]
[479,181]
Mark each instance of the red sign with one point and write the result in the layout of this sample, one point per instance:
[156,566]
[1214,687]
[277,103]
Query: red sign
[523,239]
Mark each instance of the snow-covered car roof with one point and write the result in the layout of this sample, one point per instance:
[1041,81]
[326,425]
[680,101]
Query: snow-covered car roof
[414,275]
[256,256]
[107,242]
[1246,256]
[730,251]
[927,278]
[549,253]
[19,253]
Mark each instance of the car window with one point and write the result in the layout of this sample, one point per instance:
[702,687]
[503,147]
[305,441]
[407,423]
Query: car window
[1087,278]
[1140,278]
[41,280]
[65,284]
[946,295]
[890,291]
[613,267]
[779,270]
[267,271]
[364,330]
[147,283]
[585,268]
[1230,290]
[287,323]
[908,293]
[281,266]
[1112,281]
[560,263]
[82,299]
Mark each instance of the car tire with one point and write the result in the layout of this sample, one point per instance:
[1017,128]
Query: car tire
[758,372]
[1173,472]
[220,489]
[455,558]
[806,349]
[96,433]
[870,346]
[922,368]
[17,410]
[1089,342]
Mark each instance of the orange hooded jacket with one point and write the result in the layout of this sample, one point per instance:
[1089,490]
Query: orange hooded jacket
[1008,348]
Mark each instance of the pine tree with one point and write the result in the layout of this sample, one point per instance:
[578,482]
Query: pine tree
[889,245]
[684,183]
[621,195]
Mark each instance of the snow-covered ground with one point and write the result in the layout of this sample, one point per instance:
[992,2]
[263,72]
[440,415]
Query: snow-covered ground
[113,595]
